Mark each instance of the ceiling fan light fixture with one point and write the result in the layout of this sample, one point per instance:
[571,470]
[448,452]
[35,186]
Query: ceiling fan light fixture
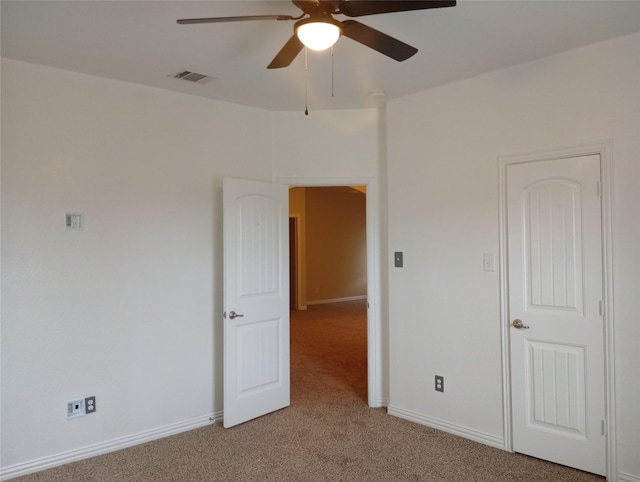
[318,34]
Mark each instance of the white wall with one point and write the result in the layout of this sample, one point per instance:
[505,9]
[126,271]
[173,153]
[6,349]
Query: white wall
[444,146]
[336,145]
[127,309]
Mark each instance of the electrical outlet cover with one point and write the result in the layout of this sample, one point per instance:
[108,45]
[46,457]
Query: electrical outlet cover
[439,383]
[90,404]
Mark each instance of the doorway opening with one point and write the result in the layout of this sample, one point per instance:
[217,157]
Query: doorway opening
[328,277]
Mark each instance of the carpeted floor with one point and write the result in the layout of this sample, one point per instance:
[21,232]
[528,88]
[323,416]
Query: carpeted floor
[327,434]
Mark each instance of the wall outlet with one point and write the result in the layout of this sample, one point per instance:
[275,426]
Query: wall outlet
[90,404]
[439,383]
[75,408]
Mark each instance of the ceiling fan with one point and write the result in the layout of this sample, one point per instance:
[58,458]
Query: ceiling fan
[316,24]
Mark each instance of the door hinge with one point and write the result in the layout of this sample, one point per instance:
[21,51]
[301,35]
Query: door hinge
[603,427]
[601,307]
[224,315]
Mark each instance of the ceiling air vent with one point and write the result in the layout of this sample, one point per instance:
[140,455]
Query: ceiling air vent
[193,76]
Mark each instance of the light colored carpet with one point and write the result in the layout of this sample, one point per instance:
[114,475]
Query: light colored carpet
[327,434]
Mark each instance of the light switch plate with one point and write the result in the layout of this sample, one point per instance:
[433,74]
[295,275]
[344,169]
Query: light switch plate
[73,221]
[489,262]
[397,259]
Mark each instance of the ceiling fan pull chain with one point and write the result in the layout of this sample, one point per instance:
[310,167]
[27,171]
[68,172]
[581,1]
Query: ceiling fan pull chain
[306,83]
[332,76]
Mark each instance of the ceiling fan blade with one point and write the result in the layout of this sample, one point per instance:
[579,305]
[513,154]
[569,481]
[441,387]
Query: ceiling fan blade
[359,8]
[377,40]
[188,21]
[287,53]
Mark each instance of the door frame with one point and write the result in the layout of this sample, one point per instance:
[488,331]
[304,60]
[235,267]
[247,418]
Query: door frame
[295,284]
[604,150]
[374,329]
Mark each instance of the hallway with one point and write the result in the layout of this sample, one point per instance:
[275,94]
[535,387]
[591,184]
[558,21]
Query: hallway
[329,353]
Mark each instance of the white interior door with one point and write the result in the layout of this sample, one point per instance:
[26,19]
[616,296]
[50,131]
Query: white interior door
[256,299]
[556,291]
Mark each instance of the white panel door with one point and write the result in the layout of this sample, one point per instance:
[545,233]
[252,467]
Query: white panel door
[555,292]
[256,299]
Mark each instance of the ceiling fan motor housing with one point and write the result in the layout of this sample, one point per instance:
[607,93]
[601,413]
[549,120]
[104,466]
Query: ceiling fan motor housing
[318,32]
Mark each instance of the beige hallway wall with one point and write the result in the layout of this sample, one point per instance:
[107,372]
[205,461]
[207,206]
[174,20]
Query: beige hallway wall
[333,242]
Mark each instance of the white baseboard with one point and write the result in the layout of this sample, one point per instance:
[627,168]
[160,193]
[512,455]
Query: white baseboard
[380,403]
[51,461]
[468,433]
[623,477]
[337,300]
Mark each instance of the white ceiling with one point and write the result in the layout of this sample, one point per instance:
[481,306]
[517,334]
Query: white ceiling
[140,42]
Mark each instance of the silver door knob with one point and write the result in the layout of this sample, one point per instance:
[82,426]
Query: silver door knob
[519,325]
[233,315]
